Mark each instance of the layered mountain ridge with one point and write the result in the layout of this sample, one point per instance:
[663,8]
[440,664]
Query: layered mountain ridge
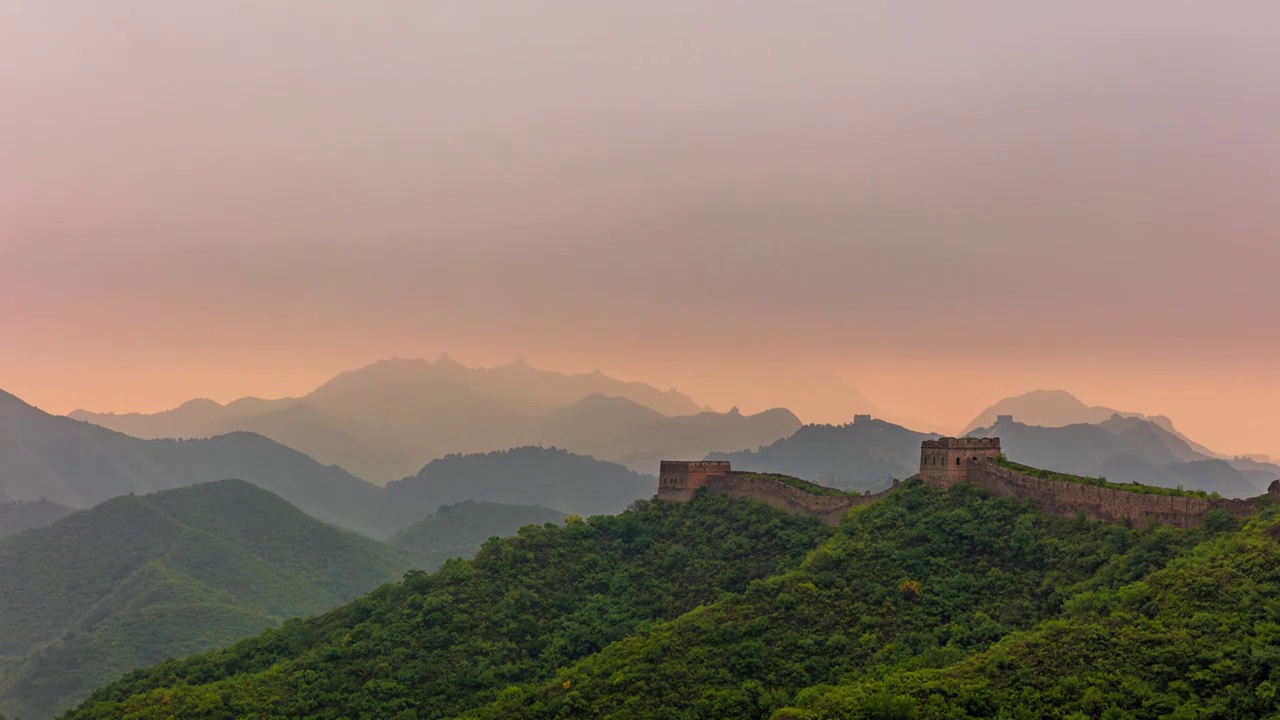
[384,421]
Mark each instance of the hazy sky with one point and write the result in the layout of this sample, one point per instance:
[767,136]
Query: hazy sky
[762,203]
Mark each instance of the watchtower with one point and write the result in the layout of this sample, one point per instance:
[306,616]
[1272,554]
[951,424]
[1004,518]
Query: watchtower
[678,480]
[945,462]
[861,419]
[1004,419]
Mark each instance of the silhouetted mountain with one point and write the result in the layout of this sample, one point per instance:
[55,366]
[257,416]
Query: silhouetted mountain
[18,516]
[459,530]
[1122,450]
[1058,408]
[384,420]
[141,578]
[79,465]
[622,431]
[1043,408]
[549,477]
[860,456]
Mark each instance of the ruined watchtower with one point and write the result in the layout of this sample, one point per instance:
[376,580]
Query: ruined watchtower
[678,480]
[945,462]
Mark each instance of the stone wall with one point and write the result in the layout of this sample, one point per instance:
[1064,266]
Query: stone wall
[828,508]
[678,480]
[1100,503]
[945,462]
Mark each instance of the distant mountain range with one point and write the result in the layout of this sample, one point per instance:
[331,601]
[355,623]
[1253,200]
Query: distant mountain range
[458,531]
[860,456]
[143,577]
[383,421]
[1059,408]
[79,465]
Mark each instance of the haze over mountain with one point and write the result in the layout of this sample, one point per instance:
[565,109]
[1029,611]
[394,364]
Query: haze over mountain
[143,577]
[1057,408]
[78,464]
[386,420]
[18,516]
[859,456]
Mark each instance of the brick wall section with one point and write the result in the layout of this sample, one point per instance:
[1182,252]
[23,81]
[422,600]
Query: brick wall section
[1099,503]
[828,508]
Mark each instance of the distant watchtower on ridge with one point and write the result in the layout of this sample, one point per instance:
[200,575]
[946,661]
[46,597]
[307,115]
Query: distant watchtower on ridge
[945,462]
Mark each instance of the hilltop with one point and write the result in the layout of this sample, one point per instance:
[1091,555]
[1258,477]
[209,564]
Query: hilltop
[460,530]
[143,577]
[549,477]
[79,465]
[18,516]
[928,603]
[385,420]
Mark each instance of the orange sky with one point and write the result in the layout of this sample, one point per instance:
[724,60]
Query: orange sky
[762,204]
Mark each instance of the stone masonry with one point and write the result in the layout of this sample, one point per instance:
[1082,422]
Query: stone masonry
[678,480]
[945,462]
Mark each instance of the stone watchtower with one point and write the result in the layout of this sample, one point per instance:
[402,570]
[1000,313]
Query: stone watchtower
[945,462]
[678,480]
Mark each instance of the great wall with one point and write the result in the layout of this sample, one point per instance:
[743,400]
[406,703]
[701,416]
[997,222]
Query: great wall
[947,462]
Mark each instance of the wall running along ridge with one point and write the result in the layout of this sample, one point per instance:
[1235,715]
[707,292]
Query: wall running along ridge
[947,462]
[1101,503]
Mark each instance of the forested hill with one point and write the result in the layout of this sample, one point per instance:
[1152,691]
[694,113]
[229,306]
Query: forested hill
[927,604]
[437,645]
[141,578]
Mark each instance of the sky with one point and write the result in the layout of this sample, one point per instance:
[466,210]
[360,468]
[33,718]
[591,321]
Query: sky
[822,204]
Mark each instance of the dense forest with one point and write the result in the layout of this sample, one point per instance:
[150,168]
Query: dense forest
[927,604]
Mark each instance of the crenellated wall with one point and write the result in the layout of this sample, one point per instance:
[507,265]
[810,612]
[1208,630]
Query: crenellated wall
[1100,503]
